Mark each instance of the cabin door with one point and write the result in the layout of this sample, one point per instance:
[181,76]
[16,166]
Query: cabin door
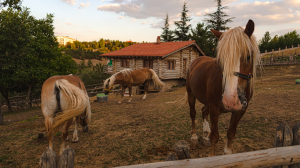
[184,67]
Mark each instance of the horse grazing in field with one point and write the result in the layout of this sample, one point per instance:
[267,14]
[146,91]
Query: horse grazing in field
[128,78]
[64,97]
[223,84]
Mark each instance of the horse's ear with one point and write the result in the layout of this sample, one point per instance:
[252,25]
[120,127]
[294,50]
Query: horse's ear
[216,33]
[249,28]
[108,80]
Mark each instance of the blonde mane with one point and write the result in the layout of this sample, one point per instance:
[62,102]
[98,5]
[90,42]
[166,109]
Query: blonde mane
[124,72]
[232,45]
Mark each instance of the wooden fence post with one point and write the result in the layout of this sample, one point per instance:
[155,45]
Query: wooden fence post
[271,59]
[66,160]
[48,159]
[291,58]
[296,141]
[182,150]
[283,137]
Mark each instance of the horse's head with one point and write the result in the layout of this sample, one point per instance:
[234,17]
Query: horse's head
[237,54]
[84,121]
[109,84]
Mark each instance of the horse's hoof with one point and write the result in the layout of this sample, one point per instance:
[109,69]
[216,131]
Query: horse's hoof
[74,140]
[206,142]
[119,102]
[67,138]
[194,140]
[86,129]
[129,101]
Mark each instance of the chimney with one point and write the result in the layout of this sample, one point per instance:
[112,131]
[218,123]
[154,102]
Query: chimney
[158,40]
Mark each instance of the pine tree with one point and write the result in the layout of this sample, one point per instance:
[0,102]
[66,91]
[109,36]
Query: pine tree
[182,30]
[167,34]
[217,19]
[204,38]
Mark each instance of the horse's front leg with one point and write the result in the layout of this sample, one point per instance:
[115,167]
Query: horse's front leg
[75,133]
[214,135]
[206,129]
[65,135]
[122,94]
[130,93]
[192,102]
[146,86]
[234,120]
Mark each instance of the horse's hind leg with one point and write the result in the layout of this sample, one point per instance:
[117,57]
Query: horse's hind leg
[65,135]
[146,86]
[192,102]
[48,124]
[130,93]
[206,129]
[234,120]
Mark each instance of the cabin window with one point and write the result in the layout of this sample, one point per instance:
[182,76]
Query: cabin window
[171,64]
[148,63]
[125,63]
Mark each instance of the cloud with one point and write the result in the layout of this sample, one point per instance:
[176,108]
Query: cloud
[83,5]
[266,13]
[284,31]
[70,2]
[121,17]
[143,9]
[261,12]
[69,23]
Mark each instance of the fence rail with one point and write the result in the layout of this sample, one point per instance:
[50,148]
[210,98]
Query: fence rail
[20,101]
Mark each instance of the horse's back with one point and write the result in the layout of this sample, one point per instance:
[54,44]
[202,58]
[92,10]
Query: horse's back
[73,79]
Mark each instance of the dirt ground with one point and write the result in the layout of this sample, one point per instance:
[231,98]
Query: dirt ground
[145,131]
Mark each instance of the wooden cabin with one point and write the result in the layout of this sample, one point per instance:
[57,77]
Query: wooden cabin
[170,60]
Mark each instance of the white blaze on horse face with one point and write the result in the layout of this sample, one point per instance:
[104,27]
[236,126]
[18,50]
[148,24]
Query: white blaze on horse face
[206,130]
[230,97]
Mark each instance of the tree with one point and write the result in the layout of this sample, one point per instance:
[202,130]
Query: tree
[264,42]
[29,54]
[182,30]
[16,4]
[167,34]
[204,38]
[217,19]
[14,40]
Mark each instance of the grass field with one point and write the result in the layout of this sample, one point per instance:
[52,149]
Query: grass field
[145,131]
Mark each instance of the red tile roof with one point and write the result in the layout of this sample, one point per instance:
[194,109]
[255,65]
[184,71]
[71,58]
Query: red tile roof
[151,49]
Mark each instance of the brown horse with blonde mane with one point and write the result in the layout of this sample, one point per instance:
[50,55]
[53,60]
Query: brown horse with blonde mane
[223,84]
[128,78]
[64,97]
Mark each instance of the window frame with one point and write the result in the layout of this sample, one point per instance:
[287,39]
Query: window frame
[125,61]
[150,63]
[169,64]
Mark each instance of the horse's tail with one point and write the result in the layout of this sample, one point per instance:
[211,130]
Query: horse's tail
[156,80]
[78,101]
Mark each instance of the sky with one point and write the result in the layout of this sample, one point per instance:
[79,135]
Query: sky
[141,20]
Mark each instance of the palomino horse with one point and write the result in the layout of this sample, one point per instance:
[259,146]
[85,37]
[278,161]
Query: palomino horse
[64,97]
[128,78]
[224,84]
